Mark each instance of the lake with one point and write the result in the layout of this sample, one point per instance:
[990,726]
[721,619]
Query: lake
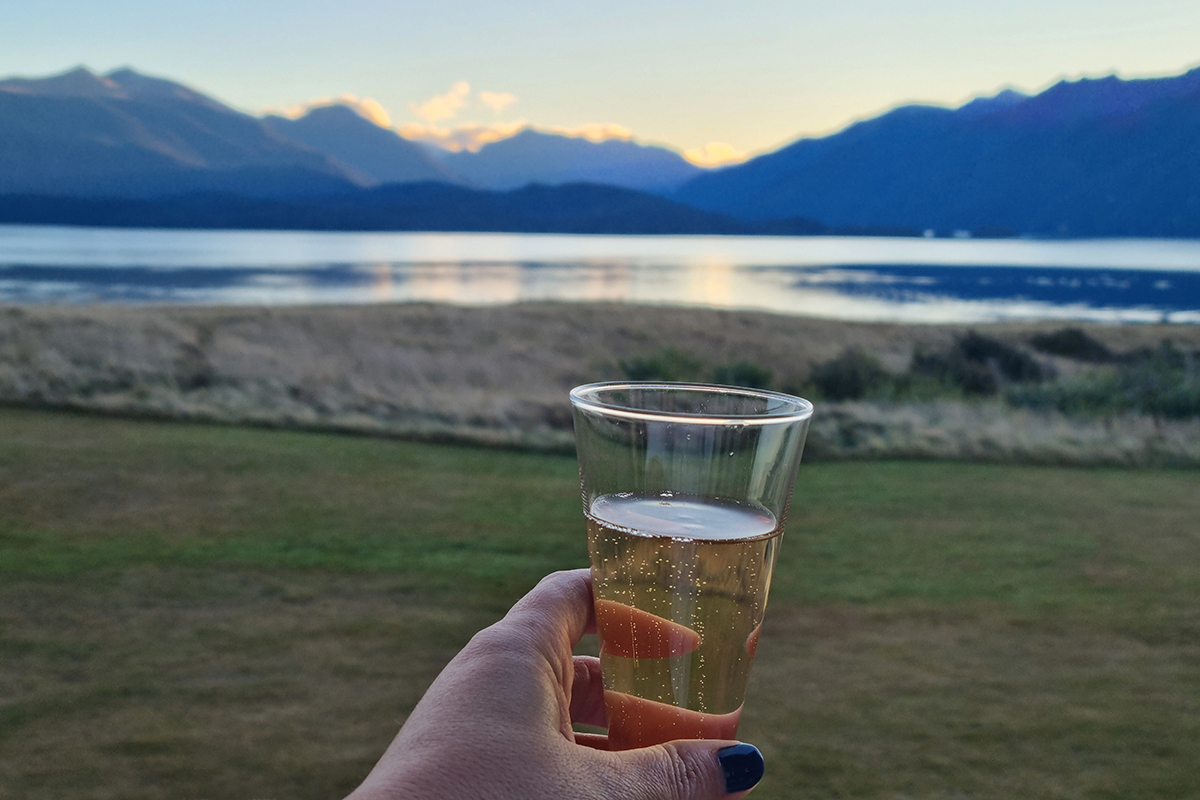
[849,278]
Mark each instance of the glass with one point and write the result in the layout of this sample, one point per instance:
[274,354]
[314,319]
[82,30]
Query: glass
[686,491]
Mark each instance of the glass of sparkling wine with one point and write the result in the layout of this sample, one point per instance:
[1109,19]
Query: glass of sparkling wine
[685,490]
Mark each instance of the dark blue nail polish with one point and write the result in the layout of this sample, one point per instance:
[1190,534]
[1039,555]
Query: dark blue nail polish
[743,766]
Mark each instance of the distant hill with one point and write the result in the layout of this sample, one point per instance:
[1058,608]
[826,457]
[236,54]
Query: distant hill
[535,157]
[573,208]
[1093,157]
[1102,157]
[378,154]
[131,135]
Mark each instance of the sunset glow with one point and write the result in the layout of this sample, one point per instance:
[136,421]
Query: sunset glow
[714,154]
[714,84]
[443,106]
[366,107]
[468,136]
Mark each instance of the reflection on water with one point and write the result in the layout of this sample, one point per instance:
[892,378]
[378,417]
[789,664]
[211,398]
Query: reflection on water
[845,278]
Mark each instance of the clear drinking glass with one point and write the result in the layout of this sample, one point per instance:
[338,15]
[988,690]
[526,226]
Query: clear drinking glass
[686,489]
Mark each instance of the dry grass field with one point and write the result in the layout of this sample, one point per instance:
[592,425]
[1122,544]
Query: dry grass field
[501,375]
[198,611]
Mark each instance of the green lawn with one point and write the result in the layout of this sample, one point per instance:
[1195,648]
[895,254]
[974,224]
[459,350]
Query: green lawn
[196,612]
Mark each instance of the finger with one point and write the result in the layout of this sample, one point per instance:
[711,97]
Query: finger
[587,693]
[555,614]
[596,741]
[694,769]
[522,665]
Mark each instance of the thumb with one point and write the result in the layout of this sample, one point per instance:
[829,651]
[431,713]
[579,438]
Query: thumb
[693,769]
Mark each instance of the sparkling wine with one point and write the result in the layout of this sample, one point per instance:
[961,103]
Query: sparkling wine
[681,585]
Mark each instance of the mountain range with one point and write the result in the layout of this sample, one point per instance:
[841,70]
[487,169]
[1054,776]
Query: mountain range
[128,135]
[1096,157]
[1093,157]
[374,154]
[427,206]
[533,156]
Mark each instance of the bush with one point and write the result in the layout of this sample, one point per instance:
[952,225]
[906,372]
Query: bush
[851,376]
[954,371]
[1013,364]
[1072,343]
[743,373]
[978,365]
[665,364]
[1161,382]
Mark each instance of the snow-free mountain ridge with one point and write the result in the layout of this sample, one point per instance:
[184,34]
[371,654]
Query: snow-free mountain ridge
[128,135]
[1091,157]
[533,156]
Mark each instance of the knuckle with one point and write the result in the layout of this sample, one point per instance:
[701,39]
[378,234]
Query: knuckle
[495,644]
[688,777]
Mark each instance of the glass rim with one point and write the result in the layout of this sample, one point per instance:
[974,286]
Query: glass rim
[796,408]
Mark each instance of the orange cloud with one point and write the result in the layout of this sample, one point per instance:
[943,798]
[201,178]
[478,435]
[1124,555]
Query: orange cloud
[365,107]
[594,131]
[473,135]
[443,106]
[497,101]
[714,154]
[469,136]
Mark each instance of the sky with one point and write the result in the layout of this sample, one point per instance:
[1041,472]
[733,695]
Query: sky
[716,80]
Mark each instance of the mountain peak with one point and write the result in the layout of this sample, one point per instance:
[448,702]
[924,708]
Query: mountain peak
[335,114]
[377,153]
[1004,99]
[120,84]
[1107,96]
[77,82]
[139,86]
[555,158]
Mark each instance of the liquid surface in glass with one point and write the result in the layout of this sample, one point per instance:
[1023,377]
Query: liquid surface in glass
[681,586]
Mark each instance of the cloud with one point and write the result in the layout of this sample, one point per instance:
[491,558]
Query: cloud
[473,135]
[365,107]
[714,154]
[443,106]
[497,100]
[594,131]
[469,136]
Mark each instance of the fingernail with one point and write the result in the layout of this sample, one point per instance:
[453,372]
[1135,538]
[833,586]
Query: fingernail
[743,766]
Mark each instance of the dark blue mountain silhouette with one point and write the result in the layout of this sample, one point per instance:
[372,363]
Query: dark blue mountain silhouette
[1102,157]
[536,157]
[130,135]
[377,154]
[573,208]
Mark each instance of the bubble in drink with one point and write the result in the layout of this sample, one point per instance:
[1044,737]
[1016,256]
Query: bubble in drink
[681,586]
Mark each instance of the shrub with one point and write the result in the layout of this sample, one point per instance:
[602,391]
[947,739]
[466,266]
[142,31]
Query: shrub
[743,373]
[978,365]
[1072,343]
[1160,381]
[1013,364]
[664,364]
[953,370]
[851,376]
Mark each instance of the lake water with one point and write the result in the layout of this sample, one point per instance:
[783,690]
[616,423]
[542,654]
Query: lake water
[850,278]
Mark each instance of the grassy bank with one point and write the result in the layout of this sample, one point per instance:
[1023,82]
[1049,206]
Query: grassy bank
[1008,393]
[196,611]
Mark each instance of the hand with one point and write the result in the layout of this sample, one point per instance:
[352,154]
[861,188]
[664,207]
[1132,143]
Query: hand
[497,723]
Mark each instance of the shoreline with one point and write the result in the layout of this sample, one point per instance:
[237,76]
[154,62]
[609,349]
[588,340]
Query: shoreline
[832,233]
